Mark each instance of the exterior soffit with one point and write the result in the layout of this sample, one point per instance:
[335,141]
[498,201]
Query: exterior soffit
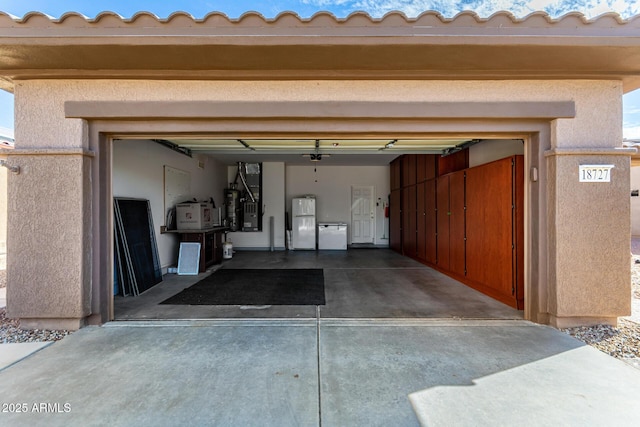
[323,46]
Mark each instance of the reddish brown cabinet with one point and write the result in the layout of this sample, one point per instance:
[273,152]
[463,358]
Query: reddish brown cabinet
[409,221]
[466,222]
[210,245]
[453,162]
[395,172]
[409,172]
[395,220]
[442,217]
[421,222]
[431,229]
[457,223]
[494,229]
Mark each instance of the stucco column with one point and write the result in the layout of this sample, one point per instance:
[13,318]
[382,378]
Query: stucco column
[589,238]
[49,217]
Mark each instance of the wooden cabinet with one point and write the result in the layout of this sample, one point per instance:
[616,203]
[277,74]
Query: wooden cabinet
[409,220]
[431,229]
[467,223]
[395,171]
[450,223]
[210,245]
[409,164]
[395,220]
[494,229]
[421,221]
[426,167]
[442,217]
[453,162]
[457,223]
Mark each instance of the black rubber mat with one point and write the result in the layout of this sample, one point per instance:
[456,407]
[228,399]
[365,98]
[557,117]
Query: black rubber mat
[255,287]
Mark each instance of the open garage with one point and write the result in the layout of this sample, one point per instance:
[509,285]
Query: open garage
[422,107]
[358,283]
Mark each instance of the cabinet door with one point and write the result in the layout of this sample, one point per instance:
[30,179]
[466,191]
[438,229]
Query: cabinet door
[431,223]
[395,221]
[457,223]
[395,170]
[453,162]
[409,221]
[421,218]
[408,170]
[421,171]
[489,227]
[431,166]
[442,200]
[426,167]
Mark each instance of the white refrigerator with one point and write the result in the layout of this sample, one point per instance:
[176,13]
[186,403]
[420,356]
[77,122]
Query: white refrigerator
[303,223]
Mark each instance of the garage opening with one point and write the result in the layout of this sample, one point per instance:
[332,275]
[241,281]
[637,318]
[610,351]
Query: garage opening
[402,228]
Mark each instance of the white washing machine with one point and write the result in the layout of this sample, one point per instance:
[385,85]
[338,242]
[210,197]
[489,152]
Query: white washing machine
[332,235]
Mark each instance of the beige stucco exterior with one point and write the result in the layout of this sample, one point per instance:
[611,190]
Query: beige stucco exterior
[60,236]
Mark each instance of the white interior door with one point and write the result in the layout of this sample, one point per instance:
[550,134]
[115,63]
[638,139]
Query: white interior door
[362,215]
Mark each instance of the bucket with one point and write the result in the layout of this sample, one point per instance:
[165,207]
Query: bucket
[227,250]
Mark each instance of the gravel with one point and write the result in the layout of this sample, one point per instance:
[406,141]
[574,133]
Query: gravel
[10,332]
[621,342]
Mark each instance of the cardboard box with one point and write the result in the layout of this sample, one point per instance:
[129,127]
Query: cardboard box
[194,216]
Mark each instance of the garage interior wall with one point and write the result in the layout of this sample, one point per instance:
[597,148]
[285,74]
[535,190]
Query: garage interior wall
[494,149]
[332,187]
[138,172]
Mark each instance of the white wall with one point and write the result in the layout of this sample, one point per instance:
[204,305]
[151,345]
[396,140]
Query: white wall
[273,184]
[496,149]
[332,187]
[138,171]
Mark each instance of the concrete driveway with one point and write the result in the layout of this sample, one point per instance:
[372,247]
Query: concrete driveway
[328,372]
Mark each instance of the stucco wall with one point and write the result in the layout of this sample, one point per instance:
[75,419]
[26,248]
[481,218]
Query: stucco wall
[41,125]
[597,124]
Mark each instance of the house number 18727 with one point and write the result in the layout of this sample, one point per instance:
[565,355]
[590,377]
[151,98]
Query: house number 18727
[595,173]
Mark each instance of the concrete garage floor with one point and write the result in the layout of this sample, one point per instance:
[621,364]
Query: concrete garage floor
[359,283]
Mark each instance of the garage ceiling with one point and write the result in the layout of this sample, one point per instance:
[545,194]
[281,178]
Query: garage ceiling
[355,152]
